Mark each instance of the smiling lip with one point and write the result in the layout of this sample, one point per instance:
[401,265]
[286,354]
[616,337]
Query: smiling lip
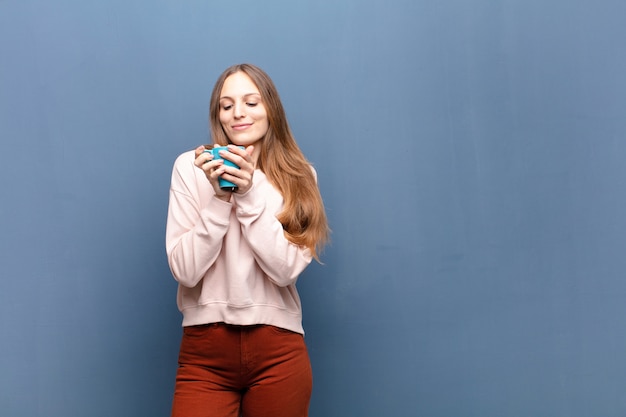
[241,126]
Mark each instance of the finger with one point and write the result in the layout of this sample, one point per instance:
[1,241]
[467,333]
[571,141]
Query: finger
[240,151]
[242,156]
[227,172]
[199,150]
[208,157]
[238,177]
[236,150]
[203,159]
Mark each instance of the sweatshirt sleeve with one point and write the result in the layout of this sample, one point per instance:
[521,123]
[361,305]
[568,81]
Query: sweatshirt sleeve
[281,260]
[196,225]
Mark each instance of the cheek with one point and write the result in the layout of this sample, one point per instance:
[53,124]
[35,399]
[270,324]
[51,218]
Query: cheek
[223,118]
[265,127]
[261,116]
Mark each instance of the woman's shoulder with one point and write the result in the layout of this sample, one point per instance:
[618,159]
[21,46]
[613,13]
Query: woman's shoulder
[185,157]
[184,169]
[185,162]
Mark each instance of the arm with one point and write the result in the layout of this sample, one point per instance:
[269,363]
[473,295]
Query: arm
[196,224]
[281,260]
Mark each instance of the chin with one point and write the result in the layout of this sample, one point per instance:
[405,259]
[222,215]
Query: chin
[245,142]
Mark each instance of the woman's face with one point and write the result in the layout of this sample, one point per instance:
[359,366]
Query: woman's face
[242,113]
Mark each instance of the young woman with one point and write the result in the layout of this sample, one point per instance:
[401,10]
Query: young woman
[237,254]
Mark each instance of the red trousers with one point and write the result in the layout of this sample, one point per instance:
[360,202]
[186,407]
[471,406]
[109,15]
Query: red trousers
[249,371]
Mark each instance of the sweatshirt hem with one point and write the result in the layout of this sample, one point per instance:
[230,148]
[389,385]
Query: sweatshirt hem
[222,312]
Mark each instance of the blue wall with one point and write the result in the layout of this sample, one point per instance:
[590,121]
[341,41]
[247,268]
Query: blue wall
[470,153]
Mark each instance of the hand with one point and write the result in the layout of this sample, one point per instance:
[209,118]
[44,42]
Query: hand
[212,170]
[241,177]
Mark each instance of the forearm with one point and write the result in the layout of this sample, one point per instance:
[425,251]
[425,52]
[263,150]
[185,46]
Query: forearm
[194,237]
[281,260]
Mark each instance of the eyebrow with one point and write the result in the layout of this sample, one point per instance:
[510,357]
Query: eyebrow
[244,96]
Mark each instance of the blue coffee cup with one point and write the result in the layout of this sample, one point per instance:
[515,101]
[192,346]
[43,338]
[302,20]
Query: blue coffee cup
[224,185]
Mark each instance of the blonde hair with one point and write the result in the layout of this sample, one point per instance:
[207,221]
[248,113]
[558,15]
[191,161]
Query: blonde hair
[303,216]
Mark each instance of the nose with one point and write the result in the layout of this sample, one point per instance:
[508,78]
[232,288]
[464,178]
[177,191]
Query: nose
[239,111]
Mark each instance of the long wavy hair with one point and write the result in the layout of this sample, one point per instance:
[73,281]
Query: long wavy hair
[303,216]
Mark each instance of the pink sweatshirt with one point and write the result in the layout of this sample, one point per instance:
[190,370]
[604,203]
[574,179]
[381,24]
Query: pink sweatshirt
[231,259]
